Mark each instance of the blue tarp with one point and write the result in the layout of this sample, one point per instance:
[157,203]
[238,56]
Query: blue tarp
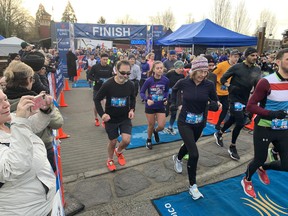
[208,34]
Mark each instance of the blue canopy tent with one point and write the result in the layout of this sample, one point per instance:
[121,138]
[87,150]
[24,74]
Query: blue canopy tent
[206,33]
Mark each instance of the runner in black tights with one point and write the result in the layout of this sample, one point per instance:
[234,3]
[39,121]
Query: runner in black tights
[196,92]
[271,123]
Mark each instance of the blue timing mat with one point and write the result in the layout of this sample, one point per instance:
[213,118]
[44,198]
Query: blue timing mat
[81,84]
[139,135]
[228,198]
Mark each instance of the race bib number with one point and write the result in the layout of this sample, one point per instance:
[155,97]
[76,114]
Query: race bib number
[156,98]
[192,118]
[118,102]
[238,106]
[279,124]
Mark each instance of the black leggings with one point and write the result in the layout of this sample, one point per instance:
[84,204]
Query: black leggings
[190,134]
[262,137]
[225,107]
[237,117]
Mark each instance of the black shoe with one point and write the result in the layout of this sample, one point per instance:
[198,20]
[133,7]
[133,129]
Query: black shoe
[274,154]
[156,136]
[218,139]
[149,145]
[233,152]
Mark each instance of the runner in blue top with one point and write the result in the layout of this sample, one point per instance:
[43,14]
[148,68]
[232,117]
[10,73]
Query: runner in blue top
[197,91]
[157,87]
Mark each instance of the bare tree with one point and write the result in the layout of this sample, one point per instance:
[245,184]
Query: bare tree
[190,19]
[101,20]
[241,20]
[166,19]
[126,20]
[14,19]
[270,19]
[221,12]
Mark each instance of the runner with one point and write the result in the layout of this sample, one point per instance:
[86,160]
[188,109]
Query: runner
[99,74]
[157,86]
[245,76]
[119,110]
[197,90]
[271,123]
[173,75]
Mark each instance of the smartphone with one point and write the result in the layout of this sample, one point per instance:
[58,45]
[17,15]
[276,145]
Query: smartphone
[39,101]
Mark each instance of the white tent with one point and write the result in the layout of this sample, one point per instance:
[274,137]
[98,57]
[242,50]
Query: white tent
[10,45]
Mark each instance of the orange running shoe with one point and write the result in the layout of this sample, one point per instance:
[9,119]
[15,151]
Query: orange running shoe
[110,165]
[97,123]
[121,158]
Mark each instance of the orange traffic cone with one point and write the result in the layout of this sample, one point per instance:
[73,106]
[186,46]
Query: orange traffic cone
[62,100]
[62,134]
[66,85]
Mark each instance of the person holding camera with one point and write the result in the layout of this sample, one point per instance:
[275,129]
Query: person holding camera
[27,181]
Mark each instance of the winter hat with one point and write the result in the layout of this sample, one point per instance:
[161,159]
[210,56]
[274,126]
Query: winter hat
[131,57]
[35,60]
[24,45]
[249,51]
[178,64]
[199,63]
[235,52]
[172,52]
[210,59]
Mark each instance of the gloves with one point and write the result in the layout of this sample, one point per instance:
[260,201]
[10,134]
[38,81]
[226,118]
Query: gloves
[173,107]
[280,114]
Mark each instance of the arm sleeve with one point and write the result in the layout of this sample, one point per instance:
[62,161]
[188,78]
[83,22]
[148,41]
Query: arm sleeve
[216,71]
[17,159]
[56,121]
[100,96]
[261,91]
[166,91]
[91,74]
[143,90]
[229,73]
[175,89]
[132,97]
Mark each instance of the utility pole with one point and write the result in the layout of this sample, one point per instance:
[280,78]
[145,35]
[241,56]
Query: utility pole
[261,38]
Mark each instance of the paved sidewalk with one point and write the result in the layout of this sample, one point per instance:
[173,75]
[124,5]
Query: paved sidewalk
[148,174]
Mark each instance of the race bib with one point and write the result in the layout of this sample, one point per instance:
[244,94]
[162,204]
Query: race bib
[192,118]
[156,98]
[279,124]
[118,102]
[238,106]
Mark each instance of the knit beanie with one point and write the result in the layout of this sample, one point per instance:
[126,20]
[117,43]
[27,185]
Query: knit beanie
[249,51]
[210,59]
[199,63]
[34,59]
[178,64]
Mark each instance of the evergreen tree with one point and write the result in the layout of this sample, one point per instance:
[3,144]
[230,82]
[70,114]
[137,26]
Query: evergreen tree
[101,20]
[69,14]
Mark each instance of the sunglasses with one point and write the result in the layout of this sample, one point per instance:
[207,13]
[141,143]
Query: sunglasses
[123,73]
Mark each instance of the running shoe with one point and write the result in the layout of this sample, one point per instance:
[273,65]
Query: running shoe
[148,144]
[194,192]
[263,176]
[177,164]
[97,123]
[121,158]
[233,152]
[111,166]
[218,138]
[156,136]
[248,188]
[171,131]
[272,155]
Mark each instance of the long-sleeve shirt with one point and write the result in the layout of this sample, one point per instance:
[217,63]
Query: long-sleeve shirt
[120,99]
[100,74]
[135,72]
[220,69]
[158,90]
[195,97]
[173,77]
[244,78]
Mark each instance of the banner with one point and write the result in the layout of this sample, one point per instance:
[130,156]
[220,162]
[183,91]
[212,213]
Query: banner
[156,31]
[58,81]
[63,43]
[110,32]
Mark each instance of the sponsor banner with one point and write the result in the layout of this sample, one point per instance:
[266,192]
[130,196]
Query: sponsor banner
[156,31]
[110,32]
